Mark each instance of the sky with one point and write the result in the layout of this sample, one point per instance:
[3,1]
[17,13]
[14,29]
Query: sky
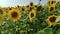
[7,3]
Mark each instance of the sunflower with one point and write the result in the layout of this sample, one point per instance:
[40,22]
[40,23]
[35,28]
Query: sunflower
[1,19]
[18,7]
[39,8]
[31,4]
[9,8]
[2,12]
[51,20]
[58,2]
[51,8]
[32,15]
[27,7]
[23,8]
[36,6]
[14,15]
[51,3]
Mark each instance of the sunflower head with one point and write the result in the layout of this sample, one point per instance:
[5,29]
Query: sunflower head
[58,2]
[32,15]
[14,15]
[18,6]
[23,8]
[39,8]
[30,9]
[2,12]
[51,8]
[31,4]
[27,6]
[51,3]
[51,20]
[9,8]
[36,6]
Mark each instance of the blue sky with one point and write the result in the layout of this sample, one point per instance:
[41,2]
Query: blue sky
[6,3]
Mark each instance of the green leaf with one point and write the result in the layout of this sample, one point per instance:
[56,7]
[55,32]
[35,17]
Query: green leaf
[45,31]
[58,19]
[23,32]
[48,31]
[58,31]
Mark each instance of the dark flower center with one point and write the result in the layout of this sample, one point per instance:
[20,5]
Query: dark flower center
[27,6]
[32,14]
[52,8]
[52,2]
[14,14]
[58,2]
[31,4]
[18,6]
[10,8]
[30,8]
[1,12]
[22,9]
[52,19]
[39,8]
[35,5]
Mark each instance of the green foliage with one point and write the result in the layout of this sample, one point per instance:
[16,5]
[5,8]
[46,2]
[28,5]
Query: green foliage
[37,26]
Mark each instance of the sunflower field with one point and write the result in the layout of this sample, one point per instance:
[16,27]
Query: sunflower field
[31,19]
